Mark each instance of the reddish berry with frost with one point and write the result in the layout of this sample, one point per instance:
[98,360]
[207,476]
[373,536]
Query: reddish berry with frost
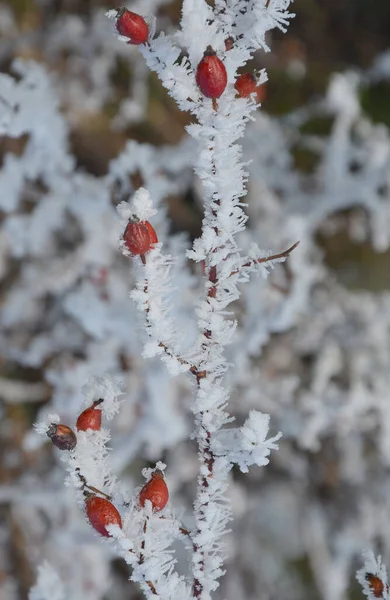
[62,436]
[376,585]
[90,418]
[132,26]
[101,512]
[156,491]
[247,84]
[211,75]
[139,236]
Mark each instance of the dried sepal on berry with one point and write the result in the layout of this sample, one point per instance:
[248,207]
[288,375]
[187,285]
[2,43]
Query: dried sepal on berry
[132,26]
[90,418]
[101,512]
[211,75]
[156,491]
[62,436]
[139,237]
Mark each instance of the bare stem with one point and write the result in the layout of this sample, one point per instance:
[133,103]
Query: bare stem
[91,487]
[265,259]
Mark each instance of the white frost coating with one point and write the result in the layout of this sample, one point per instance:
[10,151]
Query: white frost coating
[247,445]
[48,586]
[148,472]
[140,206]
[42,427]
[111,14]
[342,94]
[105,388]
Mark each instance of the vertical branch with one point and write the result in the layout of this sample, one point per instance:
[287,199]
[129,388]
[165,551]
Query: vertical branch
[211,511]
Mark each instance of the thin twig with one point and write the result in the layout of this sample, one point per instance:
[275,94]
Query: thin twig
[192,368]
[265,259]
[91,487]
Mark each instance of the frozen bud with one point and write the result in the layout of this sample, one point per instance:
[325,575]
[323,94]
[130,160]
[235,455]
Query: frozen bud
[62,436]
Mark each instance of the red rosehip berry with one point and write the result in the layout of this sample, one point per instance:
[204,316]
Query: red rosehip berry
[156,491]
[132,26]
[376,585]
[211,75]
[102,512]
[62,436]
[245,85]
[90,418]
[138,237]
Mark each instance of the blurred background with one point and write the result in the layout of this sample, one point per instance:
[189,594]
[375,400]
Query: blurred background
[83,124]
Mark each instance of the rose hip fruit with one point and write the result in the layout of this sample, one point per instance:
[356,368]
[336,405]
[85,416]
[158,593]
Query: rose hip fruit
[90,418]
[211,75]
[156,491]
[132,26]
[137,237]
[247,84]
[62,436]
[102,512]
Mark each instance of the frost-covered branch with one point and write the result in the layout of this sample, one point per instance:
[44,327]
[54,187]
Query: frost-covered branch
[199,66]
[202,82]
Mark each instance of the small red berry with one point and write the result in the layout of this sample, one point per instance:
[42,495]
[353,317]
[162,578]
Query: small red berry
[62,436]
[153,234]
[211,75]
[132,26]
[156,491]
[90,418]
[102,512]
[245,85]
[137,237]
[376,584]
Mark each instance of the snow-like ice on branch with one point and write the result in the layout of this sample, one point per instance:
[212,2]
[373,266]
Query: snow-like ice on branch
[221,120]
